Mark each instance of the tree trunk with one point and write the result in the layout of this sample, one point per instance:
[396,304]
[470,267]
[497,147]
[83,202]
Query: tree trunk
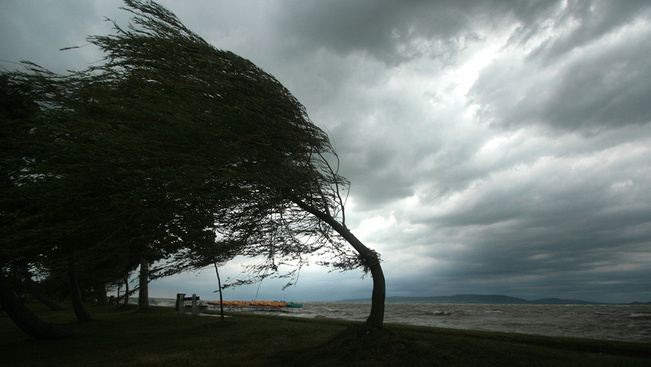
[75,294]
[369,258]
[24,318]
[221,299]
[99,288]
[143,291]
[117,298]
[36,292]
[126,292]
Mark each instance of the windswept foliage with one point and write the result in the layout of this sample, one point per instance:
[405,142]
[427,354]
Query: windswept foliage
[221,134]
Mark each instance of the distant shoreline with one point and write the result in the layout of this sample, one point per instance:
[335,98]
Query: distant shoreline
[488,299]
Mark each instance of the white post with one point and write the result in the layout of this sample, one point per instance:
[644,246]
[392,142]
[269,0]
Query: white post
[195,310]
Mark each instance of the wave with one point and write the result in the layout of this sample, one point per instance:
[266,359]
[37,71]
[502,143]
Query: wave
[640,315]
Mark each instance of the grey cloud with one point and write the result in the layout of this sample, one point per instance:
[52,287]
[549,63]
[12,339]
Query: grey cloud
[603,88]
[538,261]
[600,190]
[609,90]
[589,21]
[36,31]
[394,31]
[572,223]
[573,255]
[373,164]
[391,31]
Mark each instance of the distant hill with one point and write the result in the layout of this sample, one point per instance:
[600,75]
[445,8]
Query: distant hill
[559,301]
[476,299]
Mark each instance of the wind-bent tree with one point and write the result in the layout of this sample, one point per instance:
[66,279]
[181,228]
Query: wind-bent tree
[279,193]
[176,146]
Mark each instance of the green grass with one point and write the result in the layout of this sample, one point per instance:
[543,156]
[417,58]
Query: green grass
[164,338]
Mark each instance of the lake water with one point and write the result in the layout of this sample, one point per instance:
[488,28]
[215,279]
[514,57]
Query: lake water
[609,322]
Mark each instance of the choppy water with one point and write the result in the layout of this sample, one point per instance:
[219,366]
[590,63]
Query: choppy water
[613,322]
[609,322]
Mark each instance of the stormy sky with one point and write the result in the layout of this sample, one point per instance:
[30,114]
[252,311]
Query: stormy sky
[494,147]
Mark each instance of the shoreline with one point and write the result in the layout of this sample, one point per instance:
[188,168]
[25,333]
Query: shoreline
[595,321]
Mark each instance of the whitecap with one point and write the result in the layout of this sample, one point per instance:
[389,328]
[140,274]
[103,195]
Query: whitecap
[640,315]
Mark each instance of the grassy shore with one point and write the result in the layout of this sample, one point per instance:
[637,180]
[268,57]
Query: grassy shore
[163,338]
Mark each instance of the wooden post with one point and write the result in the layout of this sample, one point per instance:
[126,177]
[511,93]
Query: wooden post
[195,310]
[179,302]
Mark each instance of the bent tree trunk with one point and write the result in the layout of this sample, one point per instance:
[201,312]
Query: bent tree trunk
[24,318]
[36,292]
[370,259]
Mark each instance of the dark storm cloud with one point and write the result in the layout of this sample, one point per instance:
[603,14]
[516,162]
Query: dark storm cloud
[372,163]
[374,27]
[397,31]
[391,31]
[589,77]
[608,90]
